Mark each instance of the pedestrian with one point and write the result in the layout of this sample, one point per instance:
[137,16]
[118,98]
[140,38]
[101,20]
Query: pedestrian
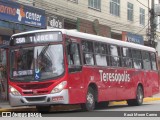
[19,64]
[3,77]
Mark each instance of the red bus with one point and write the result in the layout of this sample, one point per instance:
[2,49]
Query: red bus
[58,66]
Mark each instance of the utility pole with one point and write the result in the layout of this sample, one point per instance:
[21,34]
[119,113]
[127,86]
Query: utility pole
[152,26]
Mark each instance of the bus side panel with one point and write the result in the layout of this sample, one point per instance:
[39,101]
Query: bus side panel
[89,75]
[76,88]
[126,88]
[148,79]
[155,82]
[106,89]
[150,84]
[147,83]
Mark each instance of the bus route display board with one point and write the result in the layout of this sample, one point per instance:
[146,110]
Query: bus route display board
[40,37]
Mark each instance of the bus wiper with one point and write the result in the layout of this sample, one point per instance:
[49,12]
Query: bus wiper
[37,69]
[43,51]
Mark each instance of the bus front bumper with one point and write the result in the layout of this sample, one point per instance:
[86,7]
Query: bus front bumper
[49,99]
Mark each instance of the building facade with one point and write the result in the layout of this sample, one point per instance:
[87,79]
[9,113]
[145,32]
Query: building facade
[117,16]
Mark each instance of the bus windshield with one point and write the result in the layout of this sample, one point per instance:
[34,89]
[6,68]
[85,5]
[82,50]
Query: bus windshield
[37,63]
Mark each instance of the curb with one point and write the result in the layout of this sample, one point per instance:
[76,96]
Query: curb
[19,109]
[33,109]
[67,107]
[125,102]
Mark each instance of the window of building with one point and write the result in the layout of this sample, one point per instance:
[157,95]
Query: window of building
[88,55]
[130,11]
[142,16]
[146,61]
[153,61]
[115,7]
[95,4]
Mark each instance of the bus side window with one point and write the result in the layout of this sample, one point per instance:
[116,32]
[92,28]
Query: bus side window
[100,54]
[137,59]
[88,56]
[108,54]
[115,59]
[126,57]
[73,54]
[153,61]
[146,60]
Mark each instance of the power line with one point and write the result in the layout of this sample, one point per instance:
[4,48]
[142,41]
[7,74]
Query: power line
[142,28]
[143,4]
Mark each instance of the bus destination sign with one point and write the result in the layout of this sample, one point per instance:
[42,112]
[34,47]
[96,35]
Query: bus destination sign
[41,37]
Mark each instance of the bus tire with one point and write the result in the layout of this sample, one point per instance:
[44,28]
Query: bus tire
[139,97]
[43,108]
[90,101]
[102,105]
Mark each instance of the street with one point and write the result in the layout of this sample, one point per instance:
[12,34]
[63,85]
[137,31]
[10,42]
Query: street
[150,108]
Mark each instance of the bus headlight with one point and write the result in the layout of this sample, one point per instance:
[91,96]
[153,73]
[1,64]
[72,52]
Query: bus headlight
[14,91]
[59,87]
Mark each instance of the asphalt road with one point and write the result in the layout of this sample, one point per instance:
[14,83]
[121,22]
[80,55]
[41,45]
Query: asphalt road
[149,109]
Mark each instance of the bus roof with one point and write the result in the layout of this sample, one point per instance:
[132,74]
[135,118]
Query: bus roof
[91,37]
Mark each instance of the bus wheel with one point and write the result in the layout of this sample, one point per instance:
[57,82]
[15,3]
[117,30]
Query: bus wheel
[43,108]
[90,101]
[102,105]
[139,98]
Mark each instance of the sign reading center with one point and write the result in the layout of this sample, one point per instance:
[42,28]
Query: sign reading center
[23,14]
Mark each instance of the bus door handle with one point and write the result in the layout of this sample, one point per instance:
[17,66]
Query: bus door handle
[81,87]
[145,74]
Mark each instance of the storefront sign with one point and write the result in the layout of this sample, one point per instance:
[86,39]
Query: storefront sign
[15,12]
[55,22]
[134,38]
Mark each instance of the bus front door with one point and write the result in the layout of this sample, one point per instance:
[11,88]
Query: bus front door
[75,73]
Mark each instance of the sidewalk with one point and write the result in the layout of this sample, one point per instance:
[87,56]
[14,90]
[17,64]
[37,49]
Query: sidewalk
[5,107]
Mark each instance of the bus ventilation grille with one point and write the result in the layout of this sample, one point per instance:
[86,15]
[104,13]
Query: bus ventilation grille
[32,99]
[34,86]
